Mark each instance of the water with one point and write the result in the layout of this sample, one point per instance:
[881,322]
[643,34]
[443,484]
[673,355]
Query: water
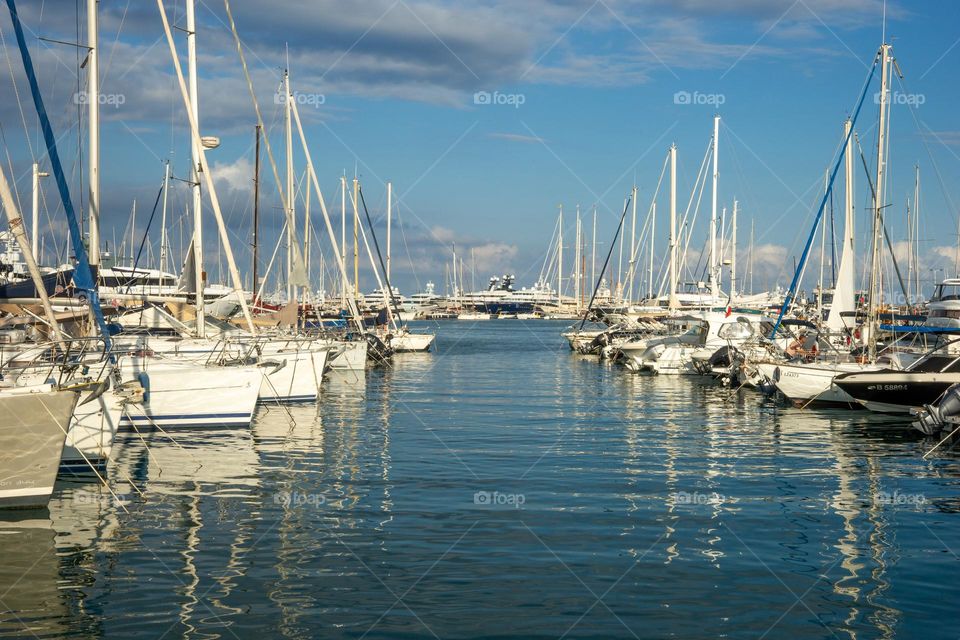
[502,487]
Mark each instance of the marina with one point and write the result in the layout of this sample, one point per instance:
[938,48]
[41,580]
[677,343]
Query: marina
[293,398]
[698,512]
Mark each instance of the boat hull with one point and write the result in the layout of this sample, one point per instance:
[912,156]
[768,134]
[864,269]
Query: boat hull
[33,428]
[803,384]
[183,394]
[896,391]
[292,374]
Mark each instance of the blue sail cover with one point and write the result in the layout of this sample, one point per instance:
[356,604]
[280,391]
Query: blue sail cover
[82,275]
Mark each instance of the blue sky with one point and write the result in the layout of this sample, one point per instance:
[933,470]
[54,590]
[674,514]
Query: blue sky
[597,82]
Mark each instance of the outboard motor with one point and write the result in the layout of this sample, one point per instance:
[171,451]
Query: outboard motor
[933,419]
[377,350]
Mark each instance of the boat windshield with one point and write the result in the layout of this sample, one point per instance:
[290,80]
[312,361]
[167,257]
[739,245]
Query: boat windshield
[739,330]
[937,363]
[946,291]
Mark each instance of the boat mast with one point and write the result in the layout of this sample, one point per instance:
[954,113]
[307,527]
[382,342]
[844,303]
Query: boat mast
[721,241]
[93,127]
[195,165]
[916,233]
[733,252]
[389,215]
[593,248]
[673,302]
[652,237]
[306,236]
[17,228]
[35,221]
[576,263]
[560,257]
[872,320]
[291,228]
[633,239]
[356,240]
[713,211]
[163,221]
[256,207]
[343,237]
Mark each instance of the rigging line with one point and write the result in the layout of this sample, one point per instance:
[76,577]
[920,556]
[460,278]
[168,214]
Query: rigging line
[883,224]
[113,47]
[836,167]
[643,240]
[924,130]
[393,299]
[6,149]
[406,247]
[276,248]
[613,243]
[16,93]
[143,241]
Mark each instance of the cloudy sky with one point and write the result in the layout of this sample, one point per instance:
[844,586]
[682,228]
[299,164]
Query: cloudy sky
[488,115]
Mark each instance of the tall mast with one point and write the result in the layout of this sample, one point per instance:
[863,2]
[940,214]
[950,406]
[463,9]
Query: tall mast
[593,248]
[163,218]
[633,239]
[356,230]
[35,220]
[389,215]
[713,210]
[576,263]
[306,229]
[256,208]
[916,227]
[291,228]
[673,302]
[93,126]
[195,164]
[343,237]
[878,204]
[560,257]
[721,241]
[733,252]
[652,236]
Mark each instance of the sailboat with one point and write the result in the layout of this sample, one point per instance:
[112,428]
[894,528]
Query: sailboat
[802,382]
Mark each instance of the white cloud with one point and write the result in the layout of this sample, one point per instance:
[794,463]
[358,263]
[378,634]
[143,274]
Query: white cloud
[494,257]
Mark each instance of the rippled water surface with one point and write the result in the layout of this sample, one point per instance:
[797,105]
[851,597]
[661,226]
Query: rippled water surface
[502,487]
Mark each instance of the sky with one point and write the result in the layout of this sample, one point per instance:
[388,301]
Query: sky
[488,115]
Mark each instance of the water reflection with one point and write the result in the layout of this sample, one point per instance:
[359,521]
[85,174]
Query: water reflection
[30,599]
[694,510]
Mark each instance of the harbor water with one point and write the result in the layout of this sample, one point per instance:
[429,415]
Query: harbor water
[501,487]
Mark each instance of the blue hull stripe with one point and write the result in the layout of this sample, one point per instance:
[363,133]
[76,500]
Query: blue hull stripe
[184,416]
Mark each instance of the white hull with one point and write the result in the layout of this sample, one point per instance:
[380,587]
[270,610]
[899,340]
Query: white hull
[33,428]
[90,439]
[292,368]
[184,394]
[352,357]
[802,384]
[292,374]
[411,342]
